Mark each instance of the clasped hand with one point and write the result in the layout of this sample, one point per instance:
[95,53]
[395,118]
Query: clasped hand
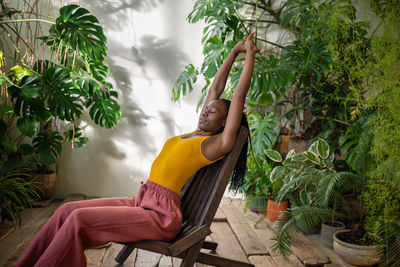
[246,46]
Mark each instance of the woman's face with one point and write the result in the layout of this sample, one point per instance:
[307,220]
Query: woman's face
[213,117]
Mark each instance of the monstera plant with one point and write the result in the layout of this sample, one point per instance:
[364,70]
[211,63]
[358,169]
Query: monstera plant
[59,89]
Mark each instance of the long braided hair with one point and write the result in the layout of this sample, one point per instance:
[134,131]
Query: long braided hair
[237,178]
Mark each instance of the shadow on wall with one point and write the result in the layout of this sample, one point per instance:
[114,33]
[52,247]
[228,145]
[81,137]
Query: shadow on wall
[116,13]
[164,57]
[132,125]
[105,161]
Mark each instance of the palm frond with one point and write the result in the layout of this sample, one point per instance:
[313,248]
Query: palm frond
[331,182]
[290,222]
[286,232]
[390,246]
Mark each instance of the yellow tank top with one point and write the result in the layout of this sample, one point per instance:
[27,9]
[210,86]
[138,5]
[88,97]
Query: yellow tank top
[178,160]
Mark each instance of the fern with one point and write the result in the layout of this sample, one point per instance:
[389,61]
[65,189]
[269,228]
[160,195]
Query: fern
[287,225]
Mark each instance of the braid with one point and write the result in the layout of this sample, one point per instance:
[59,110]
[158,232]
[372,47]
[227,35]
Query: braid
[237,178]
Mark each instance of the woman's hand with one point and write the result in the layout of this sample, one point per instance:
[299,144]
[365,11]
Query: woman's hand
[249,45]
[246,45]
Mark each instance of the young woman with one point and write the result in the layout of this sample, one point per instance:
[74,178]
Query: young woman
[155,213]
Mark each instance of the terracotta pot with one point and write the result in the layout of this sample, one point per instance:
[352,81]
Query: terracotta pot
[46,184]
[355,254]
[327,231]
[274,209]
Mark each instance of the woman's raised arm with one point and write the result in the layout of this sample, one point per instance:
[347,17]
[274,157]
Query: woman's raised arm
[218,85]
[223,143]
[232,125]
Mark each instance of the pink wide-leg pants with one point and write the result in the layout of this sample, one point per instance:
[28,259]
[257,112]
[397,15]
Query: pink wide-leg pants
[153,214]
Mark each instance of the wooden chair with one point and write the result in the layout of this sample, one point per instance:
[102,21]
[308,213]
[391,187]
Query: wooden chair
[200,199]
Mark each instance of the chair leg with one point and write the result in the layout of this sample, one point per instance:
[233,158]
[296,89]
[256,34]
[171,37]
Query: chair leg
[124,254]
[210,245]
[191,255]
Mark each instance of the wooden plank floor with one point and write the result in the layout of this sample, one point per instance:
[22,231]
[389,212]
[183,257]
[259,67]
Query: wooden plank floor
[232,229]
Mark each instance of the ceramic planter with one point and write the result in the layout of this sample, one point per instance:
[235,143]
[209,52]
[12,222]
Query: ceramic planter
[355,254]
[275,208]
[327,231]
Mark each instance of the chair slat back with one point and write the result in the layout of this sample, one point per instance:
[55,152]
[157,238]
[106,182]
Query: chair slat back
[202,194]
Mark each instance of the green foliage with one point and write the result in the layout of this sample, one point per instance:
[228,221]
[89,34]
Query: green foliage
[309,57]
[80,31]
[61,88]
[273,155]
[390,246]
[287,225]
[257,183]
[184,84]
[16,191]
[264,131]
[75,136]
[356,143]
[314,187]
[381,73]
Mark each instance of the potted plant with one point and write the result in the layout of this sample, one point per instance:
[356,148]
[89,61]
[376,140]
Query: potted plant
[257,187]
[354,254]
[55,91]
[275,207]
[357,245]
[264,132]
[311,183]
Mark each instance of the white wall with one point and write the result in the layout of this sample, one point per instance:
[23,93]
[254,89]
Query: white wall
[150,42]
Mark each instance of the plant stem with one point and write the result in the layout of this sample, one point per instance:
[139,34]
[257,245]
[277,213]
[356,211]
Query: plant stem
[26,20]
[261,20]
[272,43]
[256,21]
[342,122]
[19,37]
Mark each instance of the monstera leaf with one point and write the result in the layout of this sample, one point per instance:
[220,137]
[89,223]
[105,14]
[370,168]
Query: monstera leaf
[76,28]
[310,57]
[105,112]
[28,90]
[219,16]
[184,84]
[271,76]
[47,147]
[213,52]
[63,97]
[28,105]
[264,131]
